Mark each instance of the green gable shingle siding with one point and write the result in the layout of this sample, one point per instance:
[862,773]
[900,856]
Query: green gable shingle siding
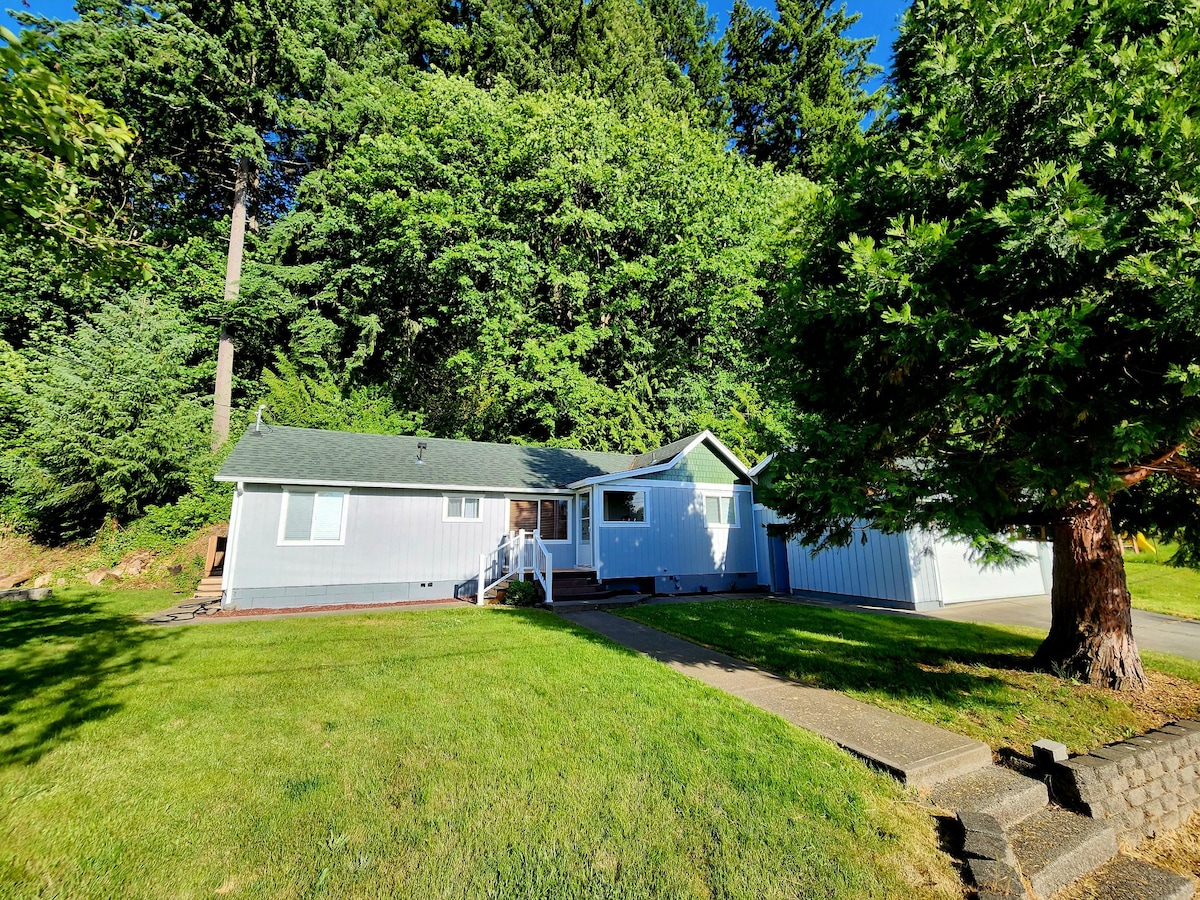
[701,466]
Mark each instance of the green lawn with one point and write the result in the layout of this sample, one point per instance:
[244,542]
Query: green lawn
[452,753]
[972,679]
[1161,588]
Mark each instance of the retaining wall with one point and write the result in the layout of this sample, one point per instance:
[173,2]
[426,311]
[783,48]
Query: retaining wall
[1142,786]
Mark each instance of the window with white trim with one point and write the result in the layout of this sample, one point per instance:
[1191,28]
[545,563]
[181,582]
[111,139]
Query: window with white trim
[624,506]
[463,509]
[720,509]
[313,517]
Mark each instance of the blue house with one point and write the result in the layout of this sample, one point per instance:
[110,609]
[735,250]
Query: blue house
[327,517]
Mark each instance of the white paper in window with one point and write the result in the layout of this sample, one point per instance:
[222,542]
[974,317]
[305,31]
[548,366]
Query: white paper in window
[454,507]
[470,508]
[327,517]
[729,508]
[299,517]
[712,510]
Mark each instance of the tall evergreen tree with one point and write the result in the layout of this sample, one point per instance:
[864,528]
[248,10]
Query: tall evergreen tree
[796,84]
[216,92]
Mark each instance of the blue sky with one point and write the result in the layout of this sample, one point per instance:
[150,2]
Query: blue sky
[879,17]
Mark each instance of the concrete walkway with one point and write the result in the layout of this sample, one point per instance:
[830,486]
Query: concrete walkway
[1152,631]
[194,612]
[918,754]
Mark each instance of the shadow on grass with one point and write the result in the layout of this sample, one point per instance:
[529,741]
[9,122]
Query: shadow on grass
[62,661]
[902,657]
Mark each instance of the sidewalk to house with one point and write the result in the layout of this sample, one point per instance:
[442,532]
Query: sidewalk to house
[918,754]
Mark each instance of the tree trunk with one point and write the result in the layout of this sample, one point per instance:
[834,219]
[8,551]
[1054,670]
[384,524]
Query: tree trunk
[1091,628]
[223,389]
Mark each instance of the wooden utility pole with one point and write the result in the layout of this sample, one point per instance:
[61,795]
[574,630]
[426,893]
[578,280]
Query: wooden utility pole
[223,390]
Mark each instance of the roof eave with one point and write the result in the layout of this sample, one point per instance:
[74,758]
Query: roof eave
[392,485]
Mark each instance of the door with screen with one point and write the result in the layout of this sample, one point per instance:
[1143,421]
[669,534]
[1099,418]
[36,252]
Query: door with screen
[583,556]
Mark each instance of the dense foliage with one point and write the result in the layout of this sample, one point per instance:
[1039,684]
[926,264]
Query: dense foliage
[996,322]
[476,220]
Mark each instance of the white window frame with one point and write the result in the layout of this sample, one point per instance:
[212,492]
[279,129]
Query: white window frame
[282,541]
[719,497]
[446,517]
[605,523]
[570,514]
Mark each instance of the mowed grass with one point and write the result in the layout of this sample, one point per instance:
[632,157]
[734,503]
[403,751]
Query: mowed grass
[450,753]
[972,679]
[1160,588]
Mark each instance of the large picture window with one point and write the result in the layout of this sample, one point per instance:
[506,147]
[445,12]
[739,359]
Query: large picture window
[624,506]
[546,516]
[313,517]
[720,509]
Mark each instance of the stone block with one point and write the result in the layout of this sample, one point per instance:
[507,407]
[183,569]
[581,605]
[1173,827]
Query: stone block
[1132,819]
[1118,784]
[1155,769]
[1154,809]
[1169,820]
[980,845]
[1154,789]
[1137,797]
[1116,753]
[995,877]
[1083,778]
[1170,781]
[1173,730]
[1047,752]
[1189,791]
[1136,777]
[1169,801]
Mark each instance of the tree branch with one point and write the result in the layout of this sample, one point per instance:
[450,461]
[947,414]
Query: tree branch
[1133,474]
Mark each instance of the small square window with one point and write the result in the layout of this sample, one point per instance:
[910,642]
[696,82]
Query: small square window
[462,509]
[720,509]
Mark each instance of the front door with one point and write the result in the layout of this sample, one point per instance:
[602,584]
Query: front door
[583,556]
[780,582]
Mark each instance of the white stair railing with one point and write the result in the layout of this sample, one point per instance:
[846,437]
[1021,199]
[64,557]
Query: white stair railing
[520,553]
[543,567]
[501,564]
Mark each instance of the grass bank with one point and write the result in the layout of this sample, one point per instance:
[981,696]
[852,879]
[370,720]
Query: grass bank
[1160,588]
[972,679]
[449,753]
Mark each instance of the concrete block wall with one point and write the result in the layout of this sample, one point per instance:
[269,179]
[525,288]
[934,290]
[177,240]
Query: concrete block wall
[1143,786]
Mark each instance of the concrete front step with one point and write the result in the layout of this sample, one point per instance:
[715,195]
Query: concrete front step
[1055,848]
[1005,795]
[1125,878]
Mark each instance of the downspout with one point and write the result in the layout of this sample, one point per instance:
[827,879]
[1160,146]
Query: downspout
[231,546]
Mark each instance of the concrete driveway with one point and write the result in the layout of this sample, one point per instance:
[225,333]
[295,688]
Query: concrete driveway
[1152,631]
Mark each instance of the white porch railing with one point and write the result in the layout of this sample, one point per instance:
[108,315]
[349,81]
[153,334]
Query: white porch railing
[521,552]
[543,567]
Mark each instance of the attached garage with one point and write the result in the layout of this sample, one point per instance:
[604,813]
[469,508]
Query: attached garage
[913,570]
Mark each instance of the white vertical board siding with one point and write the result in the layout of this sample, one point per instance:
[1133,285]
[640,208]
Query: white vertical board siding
[878,569]
[391,536]
[923,566]
[963,580]
[676,538]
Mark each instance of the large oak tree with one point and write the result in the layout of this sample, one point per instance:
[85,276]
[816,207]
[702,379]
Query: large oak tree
[996,323]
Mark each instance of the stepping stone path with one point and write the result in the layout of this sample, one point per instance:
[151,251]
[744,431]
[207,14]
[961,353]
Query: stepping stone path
[1014,843]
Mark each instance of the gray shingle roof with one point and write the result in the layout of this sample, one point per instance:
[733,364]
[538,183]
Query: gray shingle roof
[662,454]
[307,455]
